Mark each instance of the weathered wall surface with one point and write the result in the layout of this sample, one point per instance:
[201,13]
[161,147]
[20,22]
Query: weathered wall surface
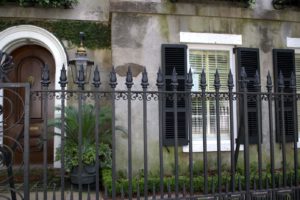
[66,24]
[139,29]
[94,10]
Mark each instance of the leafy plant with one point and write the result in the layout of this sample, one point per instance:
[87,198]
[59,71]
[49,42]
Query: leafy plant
[88,143]
[98,35]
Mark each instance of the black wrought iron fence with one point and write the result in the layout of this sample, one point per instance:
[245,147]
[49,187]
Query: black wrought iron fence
[94,160]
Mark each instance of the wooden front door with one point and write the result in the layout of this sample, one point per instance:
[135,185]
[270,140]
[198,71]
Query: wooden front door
[29,61]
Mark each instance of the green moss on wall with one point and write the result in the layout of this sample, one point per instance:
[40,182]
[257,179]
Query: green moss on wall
[164,26]
[97,35]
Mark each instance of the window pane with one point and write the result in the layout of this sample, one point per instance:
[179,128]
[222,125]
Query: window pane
[209,61]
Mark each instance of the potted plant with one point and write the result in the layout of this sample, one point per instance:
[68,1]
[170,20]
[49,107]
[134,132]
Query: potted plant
[88,147]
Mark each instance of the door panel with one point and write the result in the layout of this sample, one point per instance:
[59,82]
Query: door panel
[33,77]
[29,61]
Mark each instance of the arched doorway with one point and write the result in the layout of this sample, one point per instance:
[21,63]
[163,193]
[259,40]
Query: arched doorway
[29,61]
[18,38]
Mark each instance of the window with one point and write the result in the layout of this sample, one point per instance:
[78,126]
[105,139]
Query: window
[196,57]
[209,52]
[210,60]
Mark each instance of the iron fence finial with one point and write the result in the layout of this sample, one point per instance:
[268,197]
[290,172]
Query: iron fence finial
[129,80]
[230,80]
[281,80]
[96,79]
[189,80]
[159,79]
[174,81]
[63,77]
[45,76]
[81,77]
[113,78]
[145,82]
[243,79]
[293,81]
[269,82]
[203,80]
[217,82]
[257,80]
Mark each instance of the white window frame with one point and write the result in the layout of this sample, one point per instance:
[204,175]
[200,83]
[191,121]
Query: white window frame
[295,44]
[215,42]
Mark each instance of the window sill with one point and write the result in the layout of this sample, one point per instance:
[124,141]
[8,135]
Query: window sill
[211,146]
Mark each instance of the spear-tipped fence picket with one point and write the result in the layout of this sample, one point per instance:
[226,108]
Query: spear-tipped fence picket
[275,182]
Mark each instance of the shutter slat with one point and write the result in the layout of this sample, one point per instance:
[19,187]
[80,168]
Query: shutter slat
[174,56]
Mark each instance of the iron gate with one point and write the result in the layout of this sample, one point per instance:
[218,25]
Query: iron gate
[7,150]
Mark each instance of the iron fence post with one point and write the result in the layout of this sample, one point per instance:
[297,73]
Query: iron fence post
[145,86]
[113,83]
[45,81]
[63,82]
[80,82]
[283,141]
[174,84]
[294,91]
[232,168]
[272,160]
[160,85]
[258,111]
[129,84]
[203,99]
[97,83]
[26,143]
[217,85]
[246,136]
[189,85]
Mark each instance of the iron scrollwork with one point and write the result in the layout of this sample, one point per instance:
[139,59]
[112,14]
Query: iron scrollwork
[6,66]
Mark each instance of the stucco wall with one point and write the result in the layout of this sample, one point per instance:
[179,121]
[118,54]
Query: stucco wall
[93,10]
[139,29]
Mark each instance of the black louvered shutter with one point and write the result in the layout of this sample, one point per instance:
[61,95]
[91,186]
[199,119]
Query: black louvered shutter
[174,56]
[284,61]
[249,59]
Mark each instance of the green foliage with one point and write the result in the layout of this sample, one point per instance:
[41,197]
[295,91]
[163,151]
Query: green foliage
[88,143]
[251,3]
[198,181]
[198,168]
[46,3]
[97,35]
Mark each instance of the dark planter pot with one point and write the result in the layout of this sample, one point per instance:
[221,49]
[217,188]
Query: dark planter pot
[88,175]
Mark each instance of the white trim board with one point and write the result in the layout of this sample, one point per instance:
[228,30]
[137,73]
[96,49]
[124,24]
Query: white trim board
[210,38]
[293,42]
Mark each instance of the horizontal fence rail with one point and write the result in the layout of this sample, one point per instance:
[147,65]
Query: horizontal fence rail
[111,144]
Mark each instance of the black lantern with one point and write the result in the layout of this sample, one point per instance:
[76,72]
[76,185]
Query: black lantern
[81,66]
